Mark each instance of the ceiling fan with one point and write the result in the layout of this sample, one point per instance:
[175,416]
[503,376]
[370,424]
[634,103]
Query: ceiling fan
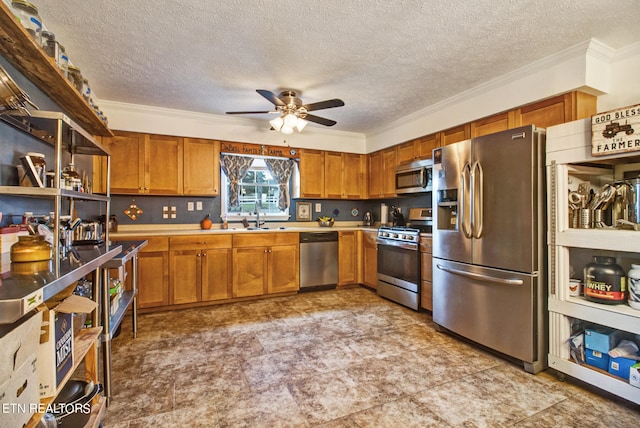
[293,114]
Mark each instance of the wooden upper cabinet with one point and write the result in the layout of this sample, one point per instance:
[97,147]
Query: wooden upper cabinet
[492,124]
[554,111]
[127,162]
[406,152]
[163,165]
[389,172]
[455,134]
[375,174]
[417,149]
[354,180]
[145,164]
[333,175]
[345,175]
[382,173]
[425,145]
[311,173]
[201,167]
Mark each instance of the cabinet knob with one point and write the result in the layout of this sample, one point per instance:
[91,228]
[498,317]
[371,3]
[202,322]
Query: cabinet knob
[204,254]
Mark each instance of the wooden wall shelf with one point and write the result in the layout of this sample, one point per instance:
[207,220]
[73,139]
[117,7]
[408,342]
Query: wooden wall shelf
[24,53]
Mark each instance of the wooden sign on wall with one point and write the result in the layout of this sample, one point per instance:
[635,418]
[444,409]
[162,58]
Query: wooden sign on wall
[616,131]
[258,150]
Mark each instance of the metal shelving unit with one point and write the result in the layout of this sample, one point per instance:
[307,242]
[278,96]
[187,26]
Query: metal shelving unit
[569,161]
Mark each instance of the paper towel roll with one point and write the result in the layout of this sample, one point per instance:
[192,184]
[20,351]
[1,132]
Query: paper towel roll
[384,214]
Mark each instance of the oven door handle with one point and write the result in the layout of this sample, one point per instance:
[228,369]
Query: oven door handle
[480,276]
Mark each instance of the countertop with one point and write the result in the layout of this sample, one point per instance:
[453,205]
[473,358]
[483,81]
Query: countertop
[128,231]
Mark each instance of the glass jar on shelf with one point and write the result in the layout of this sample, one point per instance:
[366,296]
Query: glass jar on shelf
[50,45]
[27,14]
[63,60]
[75,77]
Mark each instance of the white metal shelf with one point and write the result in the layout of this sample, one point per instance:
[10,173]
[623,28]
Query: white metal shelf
[621,317]
[603,381]
[603,239]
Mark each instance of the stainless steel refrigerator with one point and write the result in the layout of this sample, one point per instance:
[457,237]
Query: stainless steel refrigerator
[489,282]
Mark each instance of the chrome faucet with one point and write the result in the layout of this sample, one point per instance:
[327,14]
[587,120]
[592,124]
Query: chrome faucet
[257,213]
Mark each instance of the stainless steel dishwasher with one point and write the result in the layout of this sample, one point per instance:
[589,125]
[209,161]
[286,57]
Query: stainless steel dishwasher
[318,260]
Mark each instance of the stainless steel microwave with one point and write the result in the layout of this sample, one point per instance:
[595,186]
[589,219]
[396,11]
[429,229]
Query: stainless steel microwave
[414,177]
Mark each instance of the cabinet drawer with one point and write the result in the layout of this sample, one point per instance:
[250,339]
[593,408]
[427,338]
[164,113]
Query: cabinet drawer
[247,240]
[191,242]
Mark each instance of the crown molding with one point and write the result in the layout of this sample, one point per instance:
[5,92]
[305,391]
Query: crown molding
[591,47]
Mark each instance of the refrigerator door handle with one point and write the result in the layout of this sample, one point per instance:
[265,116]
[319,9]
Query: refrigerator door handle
[478,222]
[480,277]
[465,194]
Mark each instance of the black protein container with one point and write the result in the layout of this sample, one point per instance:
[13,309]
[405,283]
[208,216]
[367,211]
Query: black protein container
[605,281]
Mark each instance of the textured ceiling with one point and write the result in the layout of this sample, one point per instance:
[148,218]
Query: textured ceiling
[385,59]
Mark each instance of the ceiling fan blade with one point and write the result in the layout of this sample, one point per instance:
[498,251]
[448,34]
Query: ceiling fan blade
[271,97]
[324,104]
[320,120]
[250,112]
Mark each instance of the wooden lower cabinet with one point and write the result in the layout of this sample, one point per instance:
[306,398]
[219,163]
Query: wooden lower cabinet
[370,258]
[153,273]
[426,271]
[265,263]
[348,260]
[200,268]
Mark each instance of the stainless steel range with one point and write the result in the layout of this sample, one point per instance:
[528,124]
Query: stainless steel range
[399,265]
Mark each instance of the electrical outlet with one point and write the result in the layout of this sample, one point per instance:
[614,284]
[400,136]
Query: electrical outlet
[172,211]
[165,212]
[189,206]
[199,206]
[318,207]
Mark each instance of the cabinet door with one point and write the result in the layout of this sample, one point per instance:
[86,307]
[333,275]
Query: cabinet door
[284,269]
[389,172]
[354,173]
[153,279]
[492,124]
[406,152]
[185,283]
[458,133]
[201,167]
[127,162]
[311,173]
[333,175]
[370,259]
[216,274]
[163,165]
[375,174]
[426,145]
[347,258]
[249,271]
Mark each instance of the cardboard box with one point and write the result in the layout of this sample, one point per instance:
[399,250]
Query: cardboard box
[18,343]
[19,395]
[597,359]
[601,339]
[634,375]
[621,366]
[55,353]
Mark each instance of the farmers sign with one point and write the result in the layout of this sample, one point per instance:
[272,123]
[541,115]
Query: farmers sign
[615,131]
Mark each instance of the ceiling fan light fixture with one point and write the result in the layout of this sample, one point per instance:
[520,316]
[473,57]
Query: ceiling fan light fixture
[301,124]
[286,129]
[277,123]
[290,120]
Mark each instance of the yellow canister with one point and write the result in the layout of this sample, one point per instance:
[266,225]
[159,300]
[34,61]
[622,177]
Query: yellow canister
[30,248]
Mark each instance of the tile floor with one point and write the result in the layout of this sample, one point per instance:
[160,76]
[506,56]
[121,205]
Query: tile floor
[340,358]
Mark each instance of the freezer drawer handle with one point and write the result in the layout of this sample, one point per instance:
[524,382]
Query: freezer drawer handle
[480,276]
